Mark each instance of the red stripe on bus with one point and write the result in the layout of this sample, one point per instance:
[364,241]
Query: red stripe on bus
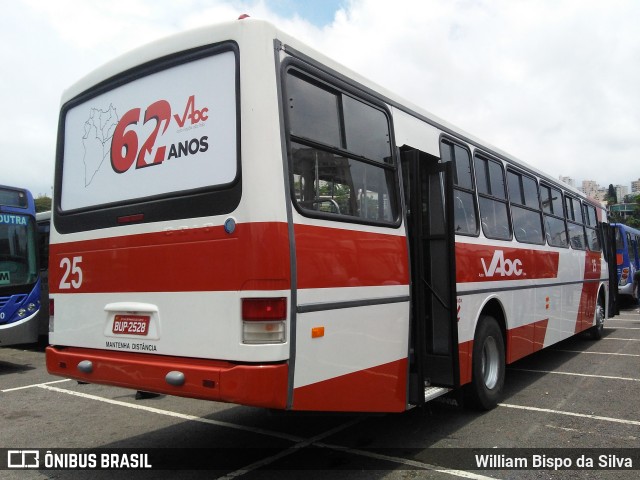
[333,257]
[257,385]
[376,389]
[486,263]
[525,340]
[254,257]
[589,295]
[465,357]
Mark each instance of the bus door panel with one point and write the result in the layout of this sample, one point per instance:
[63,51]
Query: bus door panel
[608,233]
[428,188]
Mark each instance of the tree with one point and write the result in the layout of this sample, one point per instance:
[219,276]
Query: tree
[612,198]
[43,203]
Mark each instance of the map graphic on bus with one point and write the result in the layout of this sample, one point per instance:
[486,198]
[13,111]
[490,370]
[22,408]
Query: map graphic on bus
[98,132]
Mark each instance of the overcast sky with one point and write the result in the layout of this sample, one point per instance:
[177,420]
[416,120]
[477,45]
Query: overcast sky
[555,83]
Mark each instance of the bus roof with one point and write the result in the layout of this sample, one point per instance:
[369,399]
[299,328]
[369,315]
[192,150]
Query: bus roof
[259,33]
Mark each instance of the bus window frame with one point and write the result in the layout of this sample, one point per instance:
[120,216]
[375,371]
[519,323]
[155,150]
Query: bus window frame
[452,142]
[570,216]
[522,206]
[483,156]
[325,80]
[553,214]
[589,228]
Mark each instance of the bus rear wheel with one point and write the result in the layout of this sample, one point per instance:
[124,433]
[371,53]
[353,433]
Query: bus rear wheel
[597,330]
[488,365]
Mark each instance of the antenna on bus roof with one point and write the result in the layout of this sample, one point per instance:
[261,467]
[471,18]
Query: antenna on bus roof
[243,16]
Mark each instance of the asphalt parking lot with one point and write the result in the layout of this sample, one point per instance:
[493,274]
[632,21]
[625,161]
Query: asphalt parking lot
[580,396]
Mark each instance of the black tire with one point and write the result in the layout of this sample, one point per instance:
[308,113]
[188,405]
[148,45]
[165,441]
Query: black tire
[597,330]
[488,365]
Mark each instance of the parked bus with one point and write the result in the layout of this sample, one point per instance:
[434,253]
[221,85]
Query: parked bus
[19,279]
[43,223]
[239,218]
[627,258]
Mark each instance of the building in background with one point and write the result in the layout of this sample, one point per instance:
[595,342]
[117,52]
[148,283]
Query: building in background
[571,182]
[623,210]
[621,192]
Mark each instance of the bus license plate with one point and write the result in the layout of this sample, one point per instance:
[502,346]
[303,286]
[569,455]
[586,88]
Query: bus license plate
[131,324]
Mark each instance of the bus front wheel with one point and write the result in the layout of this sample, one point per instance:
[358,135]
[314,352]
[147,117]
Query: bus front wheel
[488,365]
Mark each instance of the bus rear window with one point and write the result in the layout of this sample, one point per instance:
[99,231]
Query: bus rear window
[163,132]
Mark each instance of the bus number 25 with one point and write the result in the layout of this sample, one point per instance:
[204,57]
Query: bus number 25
[72,276]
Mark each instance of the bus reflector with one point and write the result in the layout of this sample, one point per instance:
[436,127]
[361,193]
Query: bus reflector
[138,217]
[317,332]
[263,320]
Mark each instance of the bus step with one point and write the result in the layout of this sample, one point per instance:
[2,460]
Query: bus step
[434,392]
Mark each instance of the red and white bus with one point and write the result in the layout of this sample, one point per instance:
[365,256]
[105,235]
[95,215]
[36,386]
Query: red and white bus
[239,218]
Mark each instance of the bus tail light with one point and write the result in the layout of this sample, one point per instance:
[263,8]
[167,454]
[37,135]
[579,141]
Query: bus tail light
[263,320]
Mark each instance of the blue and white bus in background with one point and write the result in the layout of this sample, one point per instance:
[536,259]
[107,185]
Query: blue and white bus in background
[19,269]
[627,258]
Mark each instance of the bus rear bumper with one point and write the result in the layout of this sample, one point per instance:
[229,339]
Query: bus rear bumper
[261,385]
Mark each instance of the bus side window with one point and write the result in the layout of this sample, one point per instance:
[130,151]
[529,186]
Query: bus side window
[494,210]
[554,223]
[525,208]
[575,222]
[43,244]
[340,152]
[464,204]
[591,226]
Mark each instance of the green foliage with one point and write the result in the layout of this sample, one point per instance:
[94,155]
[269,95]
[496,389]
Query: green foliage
[43,203]
[611,195]
[632,220]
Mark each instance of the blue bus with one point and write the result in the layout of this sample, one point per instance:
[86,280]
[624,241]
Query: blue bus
[627,258]
[19,267]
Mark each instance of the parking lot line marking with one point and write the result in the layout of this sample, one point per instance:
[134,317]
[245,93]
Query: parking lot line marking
[625,339]
[316,441]
[406,461]
[300,442]
[597,353]
[622,328]
[570,414]
[608,377]
[169,413]
[588,432]
[289,451]
[34,385]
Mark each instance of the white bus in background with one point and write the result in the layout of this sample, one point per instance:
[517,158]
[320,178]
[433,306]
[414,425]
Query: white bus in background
[239,218]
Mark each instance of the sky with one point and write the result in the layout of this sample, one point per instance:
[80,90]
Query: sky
[556,83]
